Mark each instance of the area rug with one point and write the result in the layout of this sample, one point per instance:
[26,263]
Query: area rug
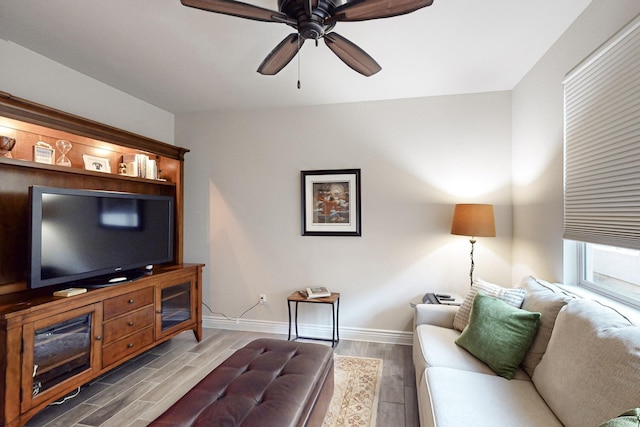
[356,391]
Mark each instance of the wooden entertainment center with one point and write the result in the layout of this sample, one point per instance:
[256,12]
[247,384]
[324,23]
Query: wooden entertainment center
[50,346]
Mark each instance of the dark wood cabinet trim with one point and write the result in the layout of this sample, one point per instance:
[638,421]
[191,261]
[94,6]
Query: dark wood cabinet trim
[31,112]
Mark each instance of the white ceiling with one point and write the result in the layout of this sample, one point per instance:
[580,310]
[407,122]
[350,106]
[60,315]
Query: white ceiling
[182,59]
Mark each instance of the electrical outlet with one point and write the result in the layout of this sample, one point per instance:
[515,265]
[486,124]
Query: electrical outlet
[263,299]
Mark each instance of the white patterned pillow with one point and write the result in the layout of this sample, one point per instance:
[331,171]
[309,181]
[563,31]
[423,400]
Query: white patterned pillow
[511,296]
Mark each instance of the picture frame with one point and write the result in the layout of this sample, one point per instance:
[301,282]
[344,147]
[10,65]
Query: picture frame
[42,154]
[331,202]
[97,164]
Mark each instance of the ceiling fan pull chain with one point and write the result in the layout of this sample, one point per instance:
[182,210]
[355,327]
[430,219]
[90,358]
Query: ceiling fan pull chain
[298,61]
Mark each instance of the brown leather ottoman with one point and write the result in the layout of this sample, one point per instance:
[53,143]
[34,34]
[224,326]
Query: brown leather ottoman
[266,383]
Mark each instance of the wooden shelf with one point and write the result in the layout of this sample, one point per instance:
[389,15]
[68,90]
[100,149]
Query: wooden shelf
[77,171]
[50,120]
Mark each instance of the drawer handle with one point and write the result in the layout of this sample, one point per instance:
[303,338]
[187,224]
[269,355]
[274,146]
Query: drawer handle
[131,301]
[130,345]
[130,323]
[99,337]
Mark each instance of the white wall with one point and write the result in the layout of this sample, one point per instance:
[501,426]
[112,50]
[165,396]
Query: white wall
[26,74]
[418,158]
[538,141]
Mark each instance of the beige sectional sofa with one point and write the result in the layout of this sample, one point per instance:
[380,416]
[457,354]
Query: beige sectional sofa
[581,369]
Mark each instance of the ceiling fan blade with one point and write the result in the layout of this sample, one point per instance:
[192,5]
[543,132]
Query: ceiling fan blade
[280,56]
[361,10]
[239,9]
[351,54]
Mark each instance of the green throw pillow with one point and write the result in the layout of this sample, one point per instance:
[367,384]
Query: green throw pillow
[631,418]
[499,334]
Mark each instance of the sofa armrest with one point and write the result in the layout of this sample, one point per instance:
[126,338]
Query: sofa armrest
[434,314]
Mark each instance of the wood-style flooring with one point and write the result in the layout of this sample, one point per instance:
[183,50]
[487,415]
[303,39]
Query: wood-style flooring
[140,390]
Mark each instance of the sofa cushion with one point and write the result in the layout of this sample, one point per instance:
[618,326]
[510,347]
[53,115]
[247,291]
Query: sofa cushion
[533,284]
[499,334]
[454,398]
[511,296]
[547,299]
[434,346]
[631,418]
[434,314]
[589,373]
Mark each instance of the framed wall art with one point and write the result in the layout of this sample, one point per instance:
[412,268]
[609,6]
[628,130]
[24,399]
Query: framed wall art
[331,202]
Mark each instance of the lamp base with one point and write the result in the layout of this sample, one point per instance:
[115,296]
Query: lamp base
[473,242]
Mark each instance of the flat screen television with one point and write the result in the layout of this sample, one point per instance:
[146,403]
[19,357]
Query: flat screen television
[96,238]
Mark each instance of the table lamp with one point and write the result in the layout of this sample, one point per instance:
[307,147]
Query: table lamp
[474,220]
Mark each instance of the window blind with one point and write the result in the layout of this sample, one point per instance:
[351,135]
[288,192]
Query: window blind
[602,144]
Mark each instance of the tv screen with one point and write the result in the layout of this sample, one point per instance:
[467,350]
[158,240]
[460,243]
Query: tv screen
[77,235]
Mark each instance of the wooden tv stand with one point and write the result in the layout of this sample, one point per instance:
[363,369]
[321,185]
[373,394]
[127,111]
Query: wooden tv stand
[67,342]
[50,346]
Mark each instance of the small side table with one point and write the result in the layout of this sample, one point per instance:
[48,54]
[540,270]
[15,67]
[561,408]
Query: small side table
[334,300]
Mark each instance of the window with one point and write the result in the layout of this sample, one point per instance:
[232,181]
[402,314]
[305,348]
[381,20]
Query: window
[602,166]
[602,145]
[612,271]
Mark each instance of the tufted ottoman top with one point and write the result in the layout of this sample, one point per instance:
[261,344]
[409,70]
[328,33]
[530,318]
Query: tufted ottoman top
[266,383]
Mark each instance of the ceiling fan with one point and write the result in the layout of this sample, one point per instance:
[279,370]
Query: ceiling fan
[314,19]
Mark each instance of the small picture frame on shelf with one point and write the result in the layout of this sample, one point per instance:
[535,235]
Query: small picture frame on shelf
[43,153]
[97,164]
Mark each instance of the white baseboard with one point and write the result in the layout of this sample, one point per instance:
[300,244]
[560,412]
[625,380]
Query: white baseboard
[282,328]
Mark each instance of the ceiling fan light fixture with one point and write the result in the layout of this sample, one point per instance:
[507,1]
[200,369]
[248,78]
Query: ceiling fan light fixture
[311,29]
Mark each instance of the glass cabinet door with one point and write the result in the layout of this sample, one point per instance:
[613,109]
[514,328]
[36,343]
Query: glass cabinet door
[62,351]
[176,306]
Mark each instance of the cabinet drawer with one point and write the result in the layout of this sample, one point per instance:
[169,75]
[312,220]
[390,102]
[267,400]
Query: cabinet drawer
[133,300]
[119,349]
[127,324]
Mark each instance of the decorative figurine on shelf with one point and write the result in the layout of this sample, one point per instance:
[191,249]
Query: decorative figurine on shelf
[6,145]
[64,147]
